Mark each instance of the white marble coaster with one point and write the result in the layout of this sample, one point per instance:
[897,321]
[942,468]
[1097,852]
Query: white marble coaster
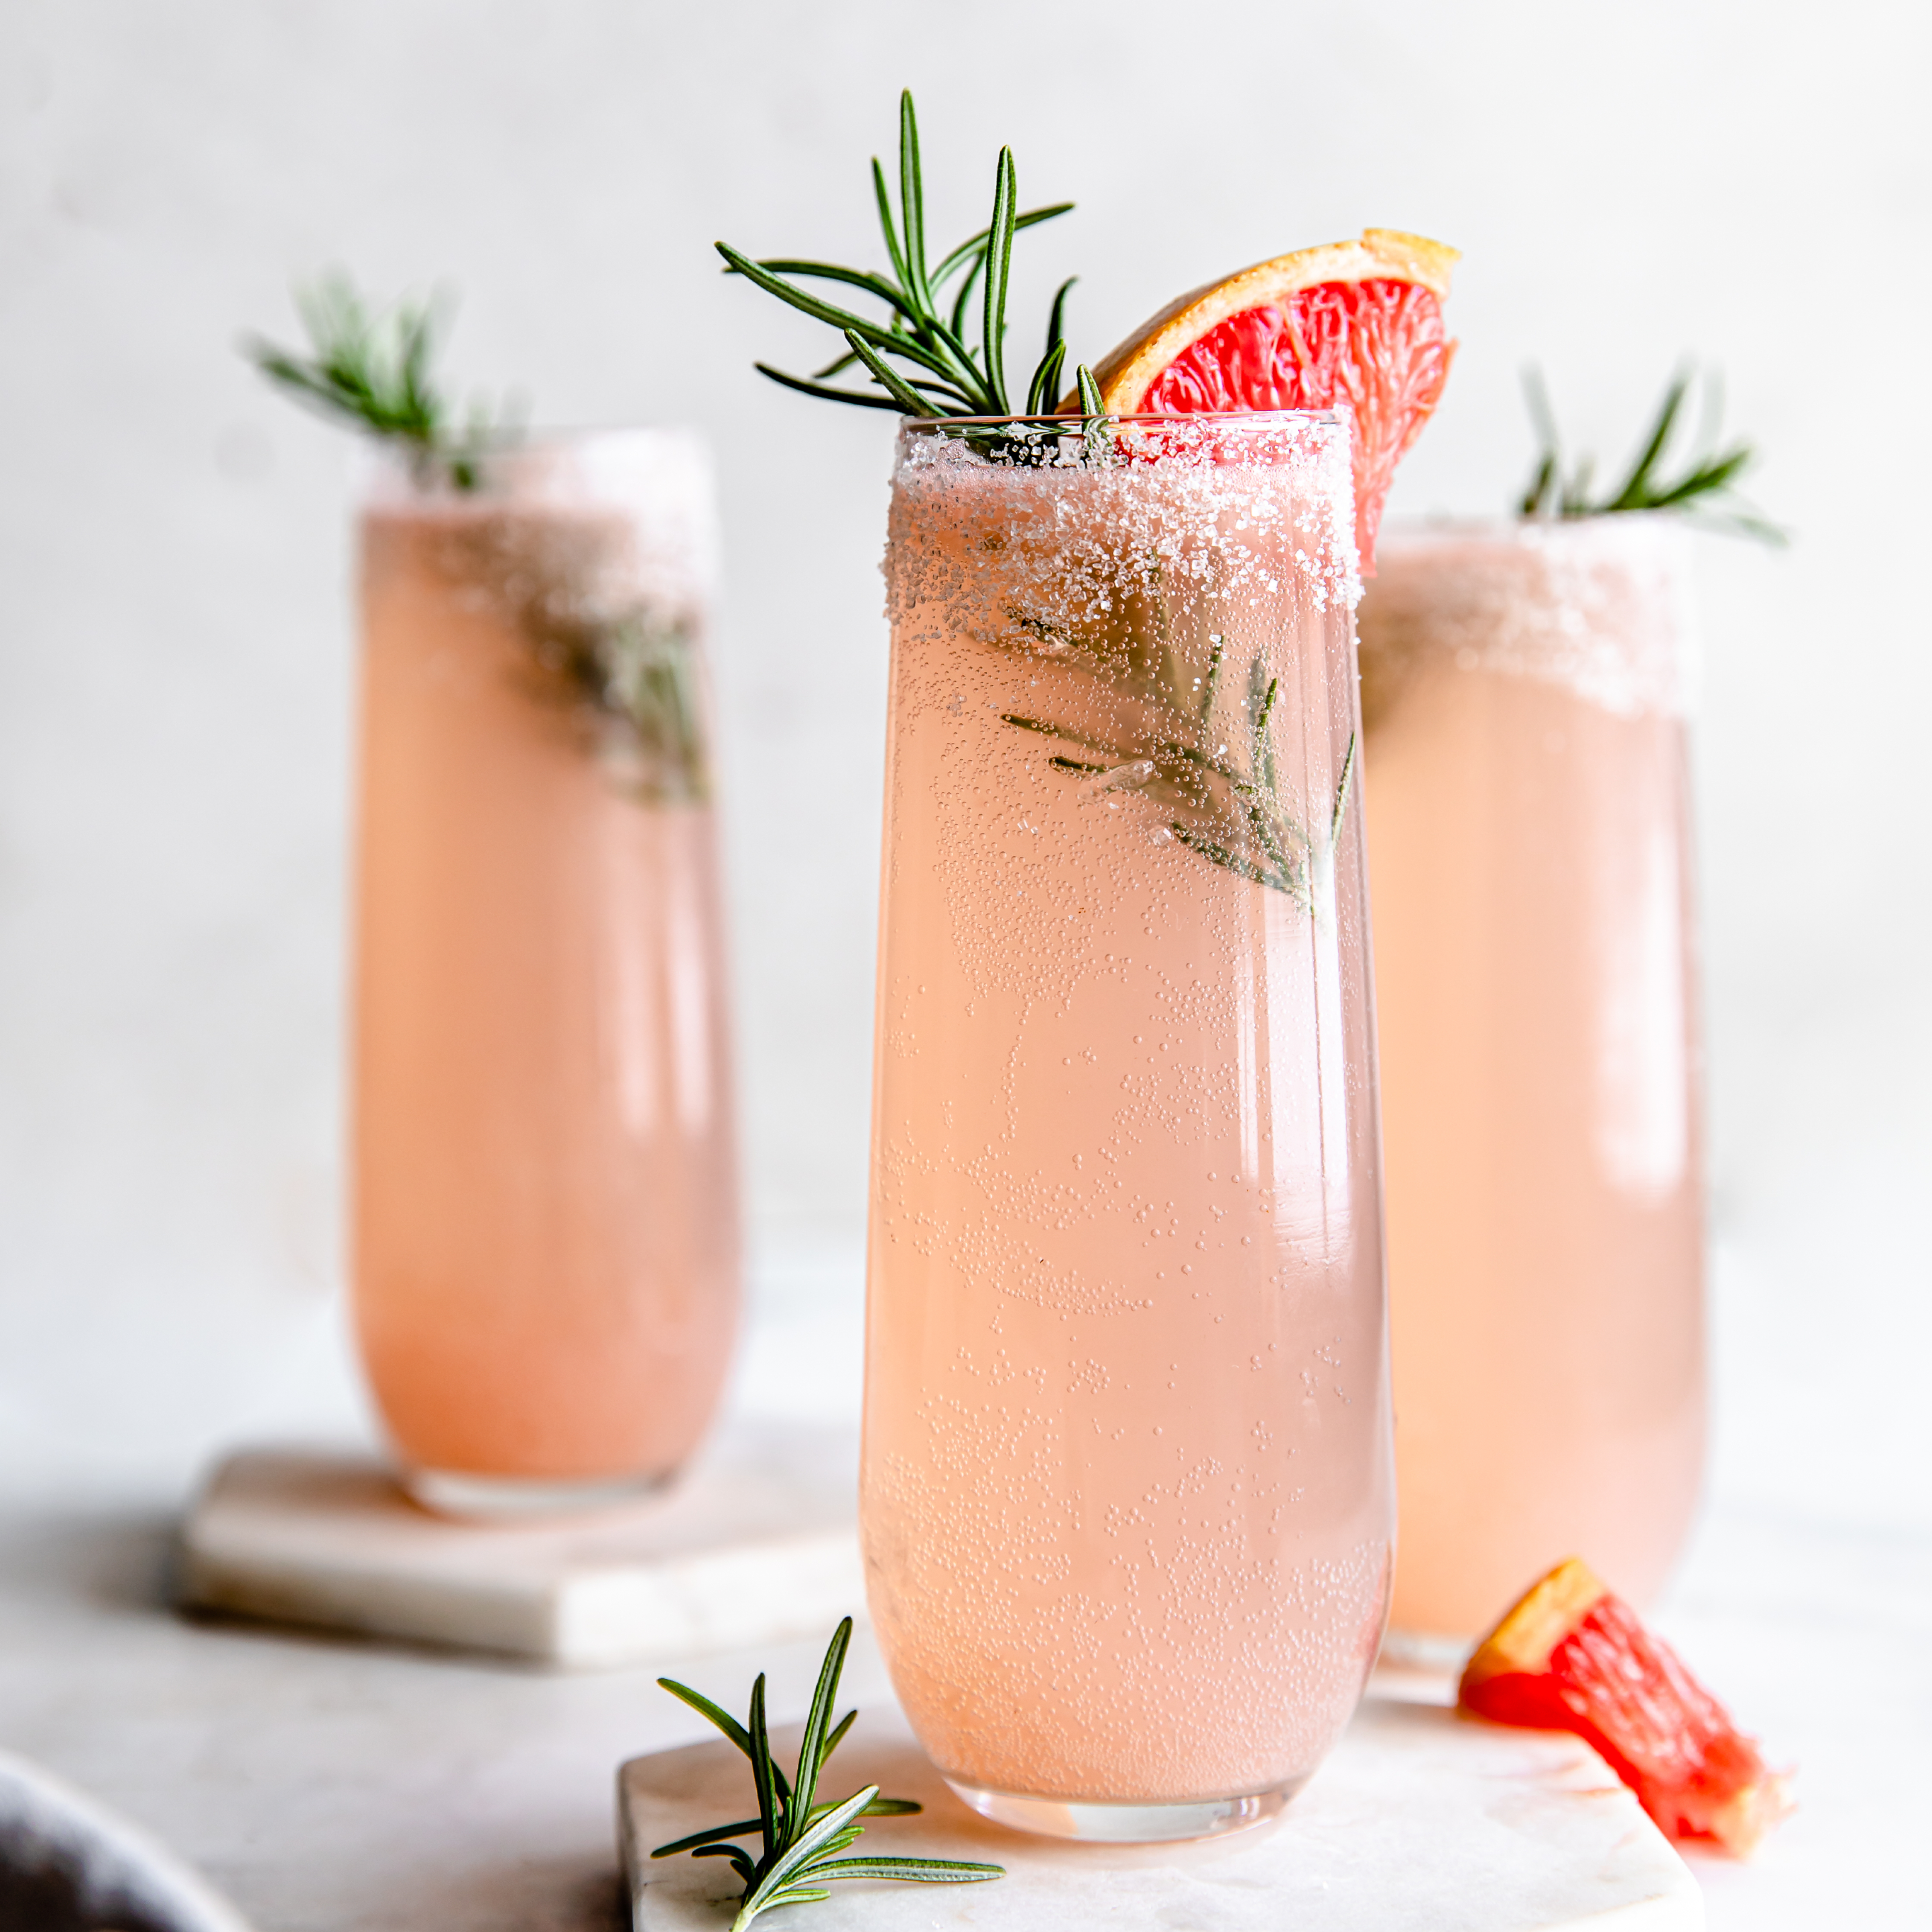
[755,1544]
[1419,1822]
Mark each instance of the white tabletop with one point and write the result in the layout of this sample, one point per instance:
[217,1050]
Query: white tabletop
[333,1784]
[329,1785]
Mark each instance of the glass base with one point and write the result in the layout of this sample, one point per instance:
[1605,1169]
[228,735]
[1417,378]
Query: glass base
[1100,1823]
[455,1492]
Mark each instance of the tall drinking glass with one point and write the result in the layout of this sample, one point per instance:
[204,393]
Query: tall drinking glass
[1524,687]
[545,1223]
[1127,1491]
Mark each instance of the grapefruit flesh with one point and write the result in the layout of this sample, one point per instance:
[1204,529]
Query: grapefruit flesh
[1572,1656]
[1355,326]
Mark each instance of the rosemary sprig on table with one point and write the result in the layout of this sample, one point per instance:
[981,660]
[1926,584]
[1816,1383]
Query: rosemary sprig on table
[924,327]
[373,368]
[801,1837]
[1704,490]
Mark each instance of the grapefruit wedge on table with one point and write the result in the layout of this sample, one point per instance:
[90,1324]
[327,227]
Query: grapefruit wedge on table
[1571,1656]
[1354,325]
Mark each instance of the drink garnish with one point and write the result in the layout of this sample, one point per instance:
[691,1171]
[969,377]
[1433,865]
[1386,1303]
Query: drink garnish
[373,367]
[1705,493]
[924,327]
[801,1837]
[1355,326]
[1230,805]
[1571,1656]
[1352,325]
[628,660]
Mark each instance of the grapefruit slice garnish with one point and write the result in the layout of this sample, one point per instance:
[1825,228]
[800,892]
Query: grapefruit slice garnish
[1571,1656]
[1353,326]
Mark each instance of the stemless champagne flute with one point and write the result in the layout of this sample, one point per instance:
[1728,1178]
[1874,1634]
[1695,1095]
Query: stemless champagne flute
[1524,688]
[545,1226]
[1127,1497]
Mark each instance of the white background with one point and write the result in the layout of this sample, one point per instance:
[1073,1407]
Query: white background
[1746,181]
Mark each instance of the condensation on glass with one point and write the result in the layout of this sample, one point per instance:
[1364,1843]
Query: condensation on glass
[1127,1490]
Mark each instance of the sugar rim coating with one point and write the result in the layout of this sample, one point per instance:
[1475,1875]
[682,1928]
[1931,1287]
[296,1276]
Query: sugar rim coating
[1602,606]
[1214,459]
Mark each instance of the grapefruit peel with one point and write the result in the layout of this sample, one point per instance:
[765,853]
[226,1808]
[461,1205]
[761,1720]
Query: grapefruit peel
[1570,1655]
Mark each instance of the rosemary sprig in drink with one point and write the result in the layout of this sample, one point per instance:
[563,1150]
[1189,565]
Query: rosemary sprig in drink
[1151,729]
[632,664]
[372,368]
[1226,808]
[1704,491]
[924,327]
[801,1837]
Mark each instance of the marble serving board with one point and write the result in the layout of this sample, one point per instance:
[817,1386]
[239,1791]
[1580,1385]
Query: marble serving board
[756,1544]
[1420,1821]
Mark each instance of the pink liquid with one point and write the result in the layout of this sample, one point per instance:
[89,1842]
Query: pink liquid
[1527,833]
[1127,1491]
[545,1215]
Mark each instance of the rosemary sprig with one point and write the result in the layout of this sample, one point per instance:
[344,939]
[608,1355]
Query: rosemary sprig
[923,328]
[801,1837]
[635,668]
[1704,491]
[372,368]
[919,363]
[632,665]
[1164,744]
